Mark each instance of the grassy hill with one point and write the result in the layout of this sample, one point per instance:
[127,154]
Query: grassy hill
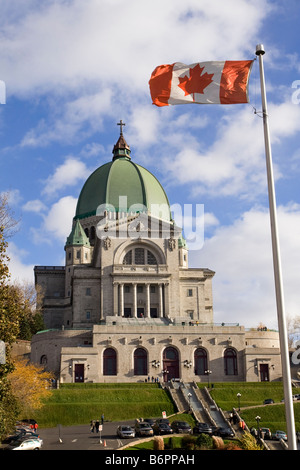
[79,403]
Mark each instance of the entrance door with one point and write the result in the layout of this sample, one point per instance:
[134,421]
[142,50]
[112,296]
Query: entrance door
[79,372]
[264,372]
[170,364]
[140,312]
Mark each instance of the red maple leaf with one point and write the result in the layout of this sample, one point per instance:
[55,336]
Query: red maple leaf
[196,82]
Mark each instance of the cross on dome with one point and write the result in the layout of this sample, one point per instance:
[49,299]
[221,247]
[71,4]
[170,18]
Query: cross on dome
[121,124]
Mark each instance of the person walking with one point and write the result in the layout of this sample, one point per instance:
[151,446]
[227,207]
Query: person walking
[92,425]
[97,424]
[102,418]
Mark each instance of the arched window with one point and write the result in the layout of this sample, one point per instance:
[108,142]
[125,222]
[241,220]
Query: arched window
[109,362]
[44,360]
[200,361]
[140,362]
[230,362]
[139,256]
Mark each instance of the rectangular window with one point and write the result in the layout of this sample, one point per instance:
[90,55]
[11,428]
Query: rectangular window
[139,256]
[152,289]
[88,291]
[126,289]
[140,289]
[78,253]
[88,315]
[190,293]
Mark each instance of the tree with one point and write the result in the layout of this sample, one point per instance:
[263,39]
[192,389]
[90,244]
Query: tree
[9,330]
[30,384]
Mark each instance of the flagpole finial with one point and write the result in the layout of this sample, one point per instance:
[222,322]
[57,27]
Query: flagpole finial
[260,49]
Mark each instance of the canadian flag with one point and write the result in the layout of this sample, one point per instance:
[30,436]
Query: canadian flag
[217,82]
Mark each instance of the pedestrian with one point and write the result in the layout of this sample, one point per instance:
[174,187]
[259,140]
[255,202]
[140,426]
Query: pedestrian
[97,424]
[102,418]
[92,425]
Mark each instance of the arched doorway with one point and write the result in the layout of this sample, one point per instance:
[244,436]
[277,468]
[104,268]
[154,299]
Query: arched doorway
[109,362]
[140,362]
[200,361]
[170,364]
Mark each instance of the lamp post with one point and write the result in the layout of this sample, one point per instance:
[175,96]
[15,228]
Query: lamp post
[258,430]
[208,372]
[189,397]
[239,400]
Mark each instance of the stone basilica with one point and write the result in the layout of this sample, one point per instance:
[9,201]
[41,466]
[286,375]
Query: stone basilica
[126,307]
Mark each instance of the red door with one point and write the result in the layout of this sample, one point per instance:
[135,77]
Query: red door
[170,364]
[79,372]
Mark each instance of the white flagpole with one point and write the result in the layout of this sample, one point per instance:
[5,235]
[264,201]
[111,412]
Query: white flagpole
[283,337]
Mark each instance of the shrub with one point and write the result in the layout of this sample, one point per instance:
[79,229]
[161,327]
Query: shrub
[158,443]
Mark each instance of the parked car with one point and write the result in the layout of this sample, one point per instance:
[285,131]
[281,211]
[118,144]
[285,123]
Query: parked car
[150,421]
[266,433]
[162,428]
[202,428]
[280,435]
[26,444]
[163,420]
[125,431]
[268,401]
[20,435]
[224,432]
[181,427]
[143,429]
[28,421]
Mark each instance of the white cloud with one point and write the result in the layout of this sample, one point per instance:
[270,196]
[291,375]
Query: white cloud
[241,256]
[18,269]
[34,206]
[58,222]
[68,174]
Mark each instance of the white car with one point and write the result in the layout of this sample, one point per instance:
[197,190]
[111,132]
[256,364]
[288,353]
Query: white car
[125,431]
[26,444]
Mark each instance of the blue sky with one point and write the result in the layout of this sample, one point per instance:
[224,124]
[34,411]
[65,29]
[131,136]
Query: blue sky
[73,69]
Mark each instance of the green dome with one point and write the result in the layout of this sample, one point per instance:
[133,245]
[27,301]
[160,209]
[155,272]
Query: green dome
[123,186]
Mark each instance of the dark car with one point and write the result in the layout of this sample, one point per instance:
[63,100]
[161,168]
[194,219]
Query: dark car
[268,401]
[150,421]
[20,436]
[181,427]
[224,432]
[202,428]
[162,428]
[163,420]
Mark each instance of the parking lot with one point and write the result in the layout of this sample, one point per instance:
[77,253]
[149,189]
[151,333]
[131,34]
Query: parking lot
[81,438]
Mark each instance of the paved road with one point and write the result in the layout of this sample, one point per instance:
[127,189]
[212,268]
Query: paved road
[80,437]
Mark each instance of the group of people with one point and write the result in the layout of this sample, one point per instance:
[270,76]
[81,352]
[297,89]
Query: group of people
[95,424]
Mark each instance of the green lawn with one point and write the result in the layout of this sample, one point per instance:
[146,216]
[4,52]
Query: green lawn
[253,394]
[79,403]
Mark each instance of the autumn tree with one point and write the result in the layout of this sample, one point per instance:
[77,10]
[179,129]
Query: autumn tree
[9,330]
[30,384]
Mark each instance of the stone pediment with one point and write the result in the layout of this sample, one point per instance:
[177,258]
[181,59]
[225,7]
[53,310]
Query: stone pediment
[135,226]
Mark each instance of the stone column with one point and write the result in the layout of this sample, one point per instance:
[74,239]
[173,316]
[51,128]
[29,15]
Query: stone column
[161,306]
[134,313]
[147,313]
[116,298]
[121,299]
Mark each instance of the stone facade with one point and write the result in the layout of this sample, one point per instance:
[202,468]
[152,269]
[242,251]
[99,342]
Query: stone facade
[126,307]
